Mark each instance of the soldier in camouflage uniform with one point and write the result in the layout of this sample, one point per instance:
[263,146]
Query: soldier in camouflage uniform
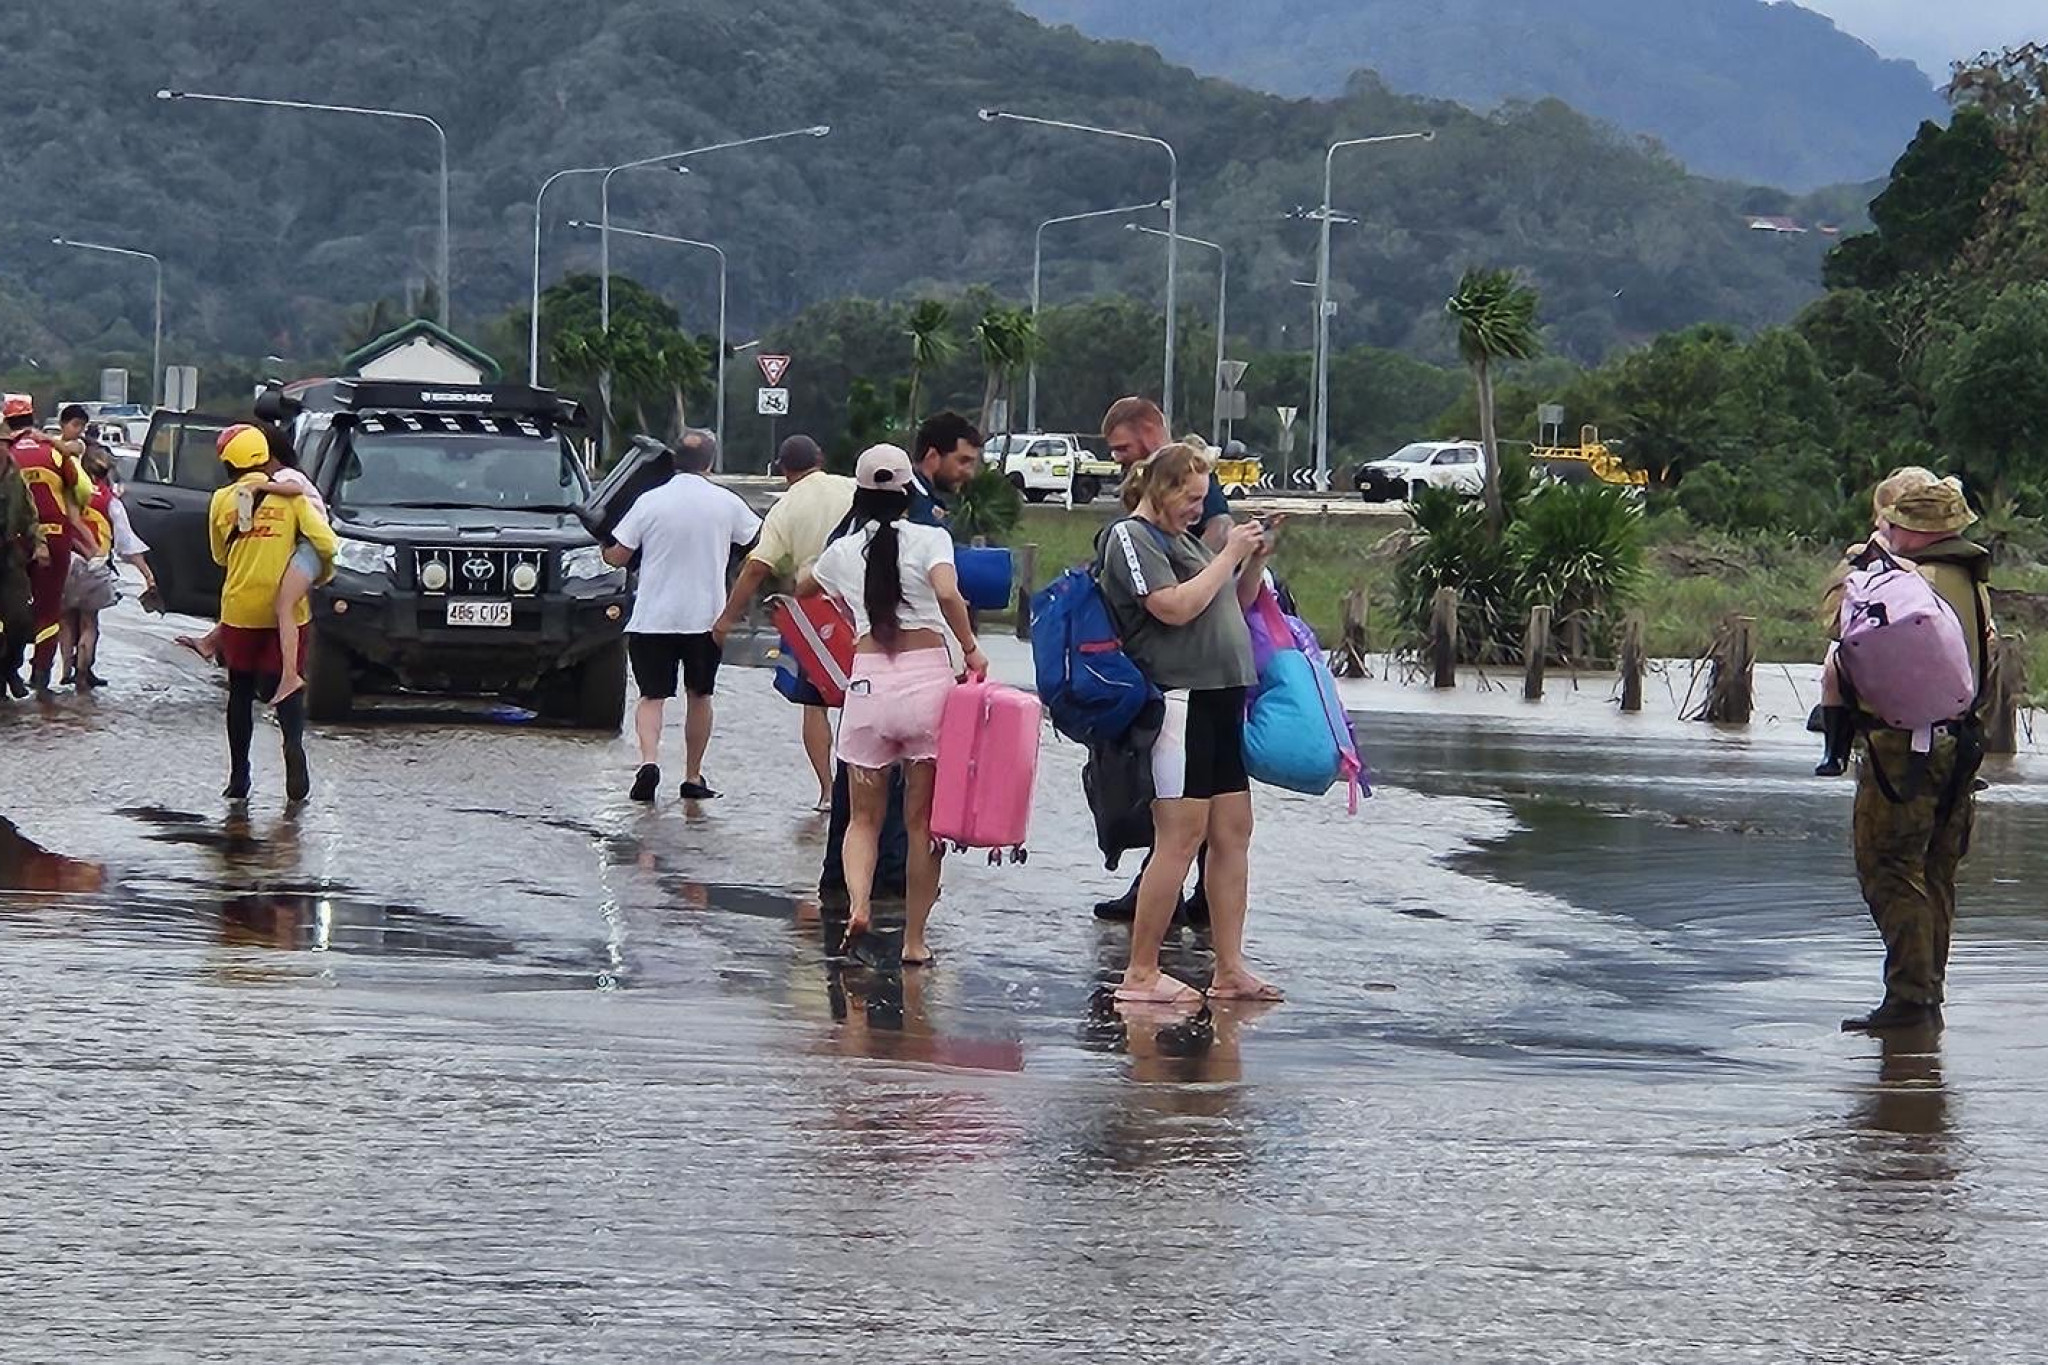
[21,541]
[1911,836]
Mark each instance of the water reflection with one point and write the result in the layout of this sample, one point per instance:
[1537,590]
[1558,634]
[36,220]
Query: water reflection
[1901,1131]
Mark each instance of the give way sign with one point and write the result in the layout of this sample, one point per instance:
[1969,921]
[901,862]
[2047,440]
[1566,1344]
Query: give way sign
[773,367]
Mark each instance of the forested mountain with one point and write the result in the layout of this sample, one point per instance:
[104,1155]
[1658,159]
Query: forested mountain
[275,225]
[1740,88]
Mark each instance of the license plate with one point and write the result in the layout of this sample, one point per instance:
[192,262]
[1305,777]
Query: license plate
[479,613]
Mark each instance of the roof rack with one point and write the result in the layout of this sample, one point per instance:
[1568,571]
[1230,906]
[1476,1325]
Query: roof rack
[506,400]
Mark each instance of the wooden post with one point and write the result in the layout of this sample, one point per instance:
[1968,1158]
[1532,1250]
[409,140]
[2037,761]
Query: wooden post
[1027,583]
[2005,685]
[1731,696]
[1535,653]
[1347,660]
[1632,663]
[1443,637]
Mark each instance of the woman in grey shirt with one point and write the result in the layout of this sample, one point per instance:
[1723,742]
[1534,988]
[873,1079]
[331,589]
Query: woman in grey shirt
[1181,609]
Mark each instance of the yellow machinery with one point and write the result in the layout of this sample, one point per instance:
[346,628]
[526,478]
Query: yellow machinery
[1239,477]
[1593,455]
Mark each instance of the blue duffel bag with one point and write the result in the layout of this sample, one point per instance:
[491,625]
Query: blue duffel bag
[985,576]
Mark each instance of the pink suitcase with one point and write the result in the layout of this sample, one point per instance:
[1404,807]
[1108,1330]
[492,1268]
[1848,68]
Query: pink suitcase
[988,769]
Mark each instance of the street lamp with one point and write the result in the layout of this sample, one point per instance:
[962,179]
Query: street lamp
[604,220]
[1172,219]
[156,359]
[1326,214]
[533,311]
[702,246]
[1037,273]
[1222,316]
[447,284]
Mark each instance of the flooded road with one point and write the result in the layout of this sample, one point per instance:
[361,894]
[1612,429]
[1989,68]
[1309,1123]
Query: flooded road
[475,1060]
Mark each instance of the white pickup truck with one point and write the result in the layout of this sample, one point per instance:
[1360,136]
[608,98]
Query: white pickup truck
[1043,465]
[1459,465]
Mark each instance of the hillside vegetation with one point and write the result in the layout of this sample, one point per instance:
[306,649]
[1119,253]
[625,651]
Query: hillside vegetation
[275,225]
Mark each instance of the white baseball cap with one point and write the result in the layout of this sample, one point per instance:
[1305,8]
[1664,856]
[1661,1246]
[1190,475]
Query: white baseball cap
[884,468]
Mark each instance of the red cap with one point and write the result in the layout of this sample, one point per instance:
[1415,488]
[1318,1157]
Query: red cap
[17,405]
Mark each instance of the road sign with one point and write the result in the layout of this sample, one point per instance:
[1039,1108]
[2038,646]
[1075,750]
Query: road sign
[771,402]
[113,386]
[1550,414]
[1232,374]
[1235,408]
[181,387]
[773,367]
[1287,416]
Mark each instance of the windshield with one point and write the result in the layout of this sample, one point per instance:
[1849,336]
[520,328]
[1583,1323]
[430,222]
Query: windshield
[1419,453]
[513,473]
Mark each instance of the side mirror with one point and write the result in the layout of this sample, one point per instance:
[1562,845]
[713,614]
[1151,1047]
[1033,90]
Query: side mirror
[277,407]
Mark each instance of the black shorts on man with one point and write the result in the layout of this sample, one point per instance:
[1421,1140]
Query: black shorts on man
[658,660]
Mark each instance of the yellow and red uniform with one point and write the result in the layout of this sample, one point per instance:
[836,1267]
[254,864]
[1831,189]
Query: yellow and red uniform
[54,482]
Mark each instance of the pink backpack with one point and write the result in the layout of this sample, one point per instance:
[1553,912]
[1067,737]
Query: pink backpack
[1904,654]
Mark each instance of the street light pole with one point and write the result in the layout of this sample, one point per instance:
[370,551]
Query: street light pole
[447,283]
[1172,221]
[1326,213]
[1222,317]
[533,311]
[703,246]
[1037,274]
[156,354]
[604,199]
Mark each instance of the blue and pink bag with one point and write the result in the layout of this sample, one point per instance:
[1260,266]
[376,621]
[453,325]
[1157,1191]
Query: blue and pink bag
[1298,736]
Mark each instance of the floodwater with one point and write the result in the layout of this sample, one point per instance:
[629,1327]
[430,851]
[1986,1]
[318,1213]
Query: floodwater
[475,1060]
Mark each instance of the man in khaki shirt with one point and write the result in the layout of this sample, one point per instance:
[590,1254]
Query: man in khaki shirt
[793,535]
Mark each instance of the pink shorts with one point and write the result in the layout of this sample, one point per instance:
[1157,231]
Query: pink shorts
[893,708]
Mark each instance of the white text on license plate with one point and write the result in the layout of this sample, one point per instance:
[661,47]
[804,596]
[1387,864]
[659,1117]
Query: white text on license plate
[479,613]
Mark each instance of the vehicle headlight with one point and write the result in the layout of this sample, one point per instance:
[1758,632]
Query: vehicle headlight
[587,563]
[364,556]
[434,576]
[525,578]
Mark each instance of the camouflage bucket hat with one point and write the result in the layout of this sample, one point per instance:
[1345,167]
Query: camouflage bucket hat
[1938,509]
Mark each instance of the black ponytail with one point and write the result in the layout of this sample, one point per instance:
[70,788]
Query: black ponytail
[882,589]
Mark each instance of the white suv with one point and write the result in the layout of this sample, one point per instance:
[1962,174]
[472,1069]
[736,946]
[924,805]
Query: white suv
[1459,465]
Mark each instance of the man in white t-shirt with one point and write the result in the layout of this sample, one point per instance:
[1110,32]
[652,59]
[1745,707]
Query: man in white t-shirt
[685,532]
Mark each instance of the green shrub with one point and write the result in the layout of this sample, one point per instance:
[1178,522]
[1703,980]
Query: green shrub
[1579,550]
[989,506]
[1454,550]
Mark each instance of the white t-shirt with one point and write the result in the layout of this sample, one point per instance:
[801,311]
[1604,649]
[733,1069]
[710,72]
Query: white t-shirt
[843,569]
[685,531]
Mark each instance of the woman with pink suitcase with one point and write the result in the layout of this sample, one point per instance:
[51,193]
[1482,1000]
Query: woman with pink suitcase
[897,581]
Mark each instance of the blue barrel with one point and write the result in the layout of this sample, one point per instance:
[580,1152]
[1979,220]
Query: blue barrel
[985,576]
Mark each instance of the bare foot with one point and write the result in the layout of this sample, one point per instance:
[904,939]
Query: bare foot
[918,955]
[1245,986]
[824,806]
[1159,989]
[856,929]
[286,686]
[203,646]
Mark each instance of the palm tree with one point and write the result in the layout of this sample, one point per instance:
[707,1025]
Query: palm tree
[931,345]
[1496,321]
[679,361]
[1007,339]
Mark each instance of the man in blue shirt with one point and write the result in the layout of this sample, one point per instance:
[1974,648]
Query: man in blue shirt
[944,456]
[1135,429]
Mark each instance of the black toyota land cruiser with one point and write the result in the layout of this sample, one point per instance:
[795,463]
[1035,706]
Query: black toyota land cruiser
[467,566]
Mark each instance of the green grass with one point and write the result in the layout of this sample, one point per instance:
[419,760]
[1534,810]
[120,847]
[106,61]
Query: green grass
[1695,581]
[1321,558]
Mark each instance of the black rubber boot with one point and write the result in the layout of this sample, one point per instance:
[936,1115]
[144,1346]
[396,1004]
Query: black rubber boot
[298,774]
[1894,1015]
[1837,727]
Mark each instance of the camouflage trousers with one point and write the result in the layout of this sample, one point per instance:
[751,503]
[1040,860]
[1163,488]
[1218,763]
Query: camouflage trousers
[1907,853]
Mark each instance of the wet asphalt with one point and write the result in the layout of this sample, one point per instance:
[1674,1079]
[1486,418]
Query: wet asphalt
[474,1059]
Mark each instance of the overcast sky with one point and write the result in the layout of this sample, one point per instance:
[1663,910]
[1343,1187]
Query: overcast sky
[1936,32]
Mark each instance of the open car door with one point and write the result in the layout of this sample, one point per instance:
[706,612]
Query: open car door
[167,502]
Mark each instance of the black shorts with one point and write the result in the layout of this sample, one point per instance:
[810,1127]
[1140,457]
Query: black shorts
[1199,754]
[657,659]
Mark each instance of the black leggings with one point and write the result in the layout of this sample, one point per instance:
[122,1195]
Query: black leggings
[243,689]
